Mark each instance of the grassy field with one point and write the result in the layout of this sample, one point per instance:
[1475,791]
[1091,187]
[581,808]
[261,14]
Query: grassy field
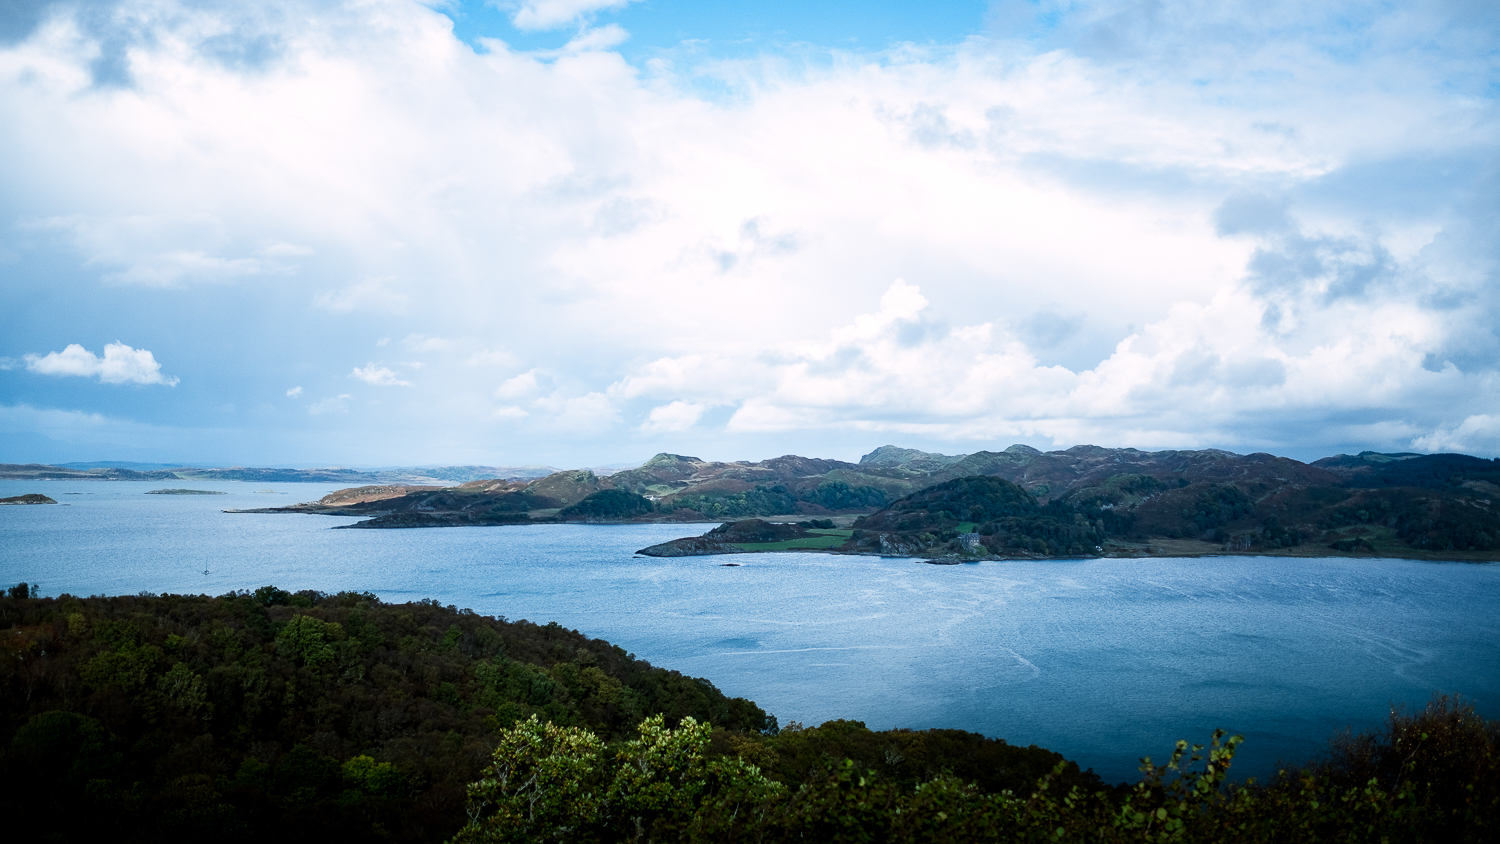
[824,539]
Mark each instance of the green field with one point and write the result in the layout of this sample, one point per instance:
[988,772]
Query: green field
[825,539]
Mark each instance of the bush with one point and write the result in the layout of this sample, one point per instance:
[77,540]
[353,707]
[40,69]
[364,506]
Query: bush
[1432,776]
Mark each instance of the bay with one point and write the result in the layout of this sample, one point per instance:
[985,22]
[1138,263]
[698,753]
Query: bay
[1101,660]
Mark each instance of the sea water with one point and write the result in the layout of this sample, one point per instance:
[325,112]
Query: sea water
[1102,660]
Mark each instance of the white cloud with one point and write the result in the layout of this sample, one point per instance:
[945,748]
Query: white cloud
[674,417]
[294,392]
[379,376]
[552,14]
[587,40]
[518,386]
[1075,214]
[1204,374]
[121,364]
[509,412]
[1479,433]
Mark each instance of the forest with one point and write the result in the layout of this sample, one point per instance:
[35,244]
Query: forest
[1428,776]
[307,716]
[301,716]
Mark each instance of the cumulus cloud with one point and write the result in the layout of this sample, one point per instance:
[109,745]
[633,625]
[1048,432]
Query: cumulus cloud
[1479,433]
[379,376]
[518,386]
[674,417]
[294,392]
[1204,374]
[120,364]
[1208,224]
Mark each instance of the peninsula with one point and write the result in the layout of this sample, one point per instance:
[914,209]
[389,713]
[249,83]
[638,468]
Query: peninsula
[1083,501]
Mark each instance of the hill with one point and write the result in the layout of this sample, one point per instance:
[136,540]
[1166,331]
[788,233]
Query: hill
[1433,506]
[265,715]
[276,716]
[684,488]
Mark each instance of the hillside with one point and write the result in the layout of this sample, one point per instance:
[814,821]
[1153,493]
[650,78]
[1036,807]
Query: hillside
[1435,506]
[269,716]
[686,488]
[276,716]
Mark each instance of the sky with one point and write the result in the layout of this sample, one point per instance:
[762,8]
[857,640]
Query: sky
[581,232]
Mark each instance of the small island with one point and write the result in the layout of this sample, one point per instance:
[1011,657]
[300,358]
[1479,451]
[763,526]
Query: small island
[28,498]
[185,492]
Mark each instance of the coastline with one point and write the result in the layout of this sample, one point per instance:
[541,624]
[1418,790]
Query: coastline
[1146,549]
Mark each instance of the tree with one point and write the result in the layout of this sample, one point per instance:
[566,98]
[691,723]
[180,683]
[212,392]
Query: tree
[551,783]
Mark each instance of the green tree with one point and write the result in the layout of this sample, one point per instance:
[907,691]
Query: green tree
[309,640]
[551,783]
[609,504]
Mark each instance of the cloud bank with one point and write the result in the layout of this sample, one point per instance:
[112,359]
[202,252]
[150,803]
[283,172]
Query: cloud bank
[120,365]
[1256,227]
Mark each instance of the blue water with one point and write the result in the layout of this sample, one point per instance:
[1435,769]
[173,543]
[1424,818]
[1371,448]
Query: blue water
[1101,660]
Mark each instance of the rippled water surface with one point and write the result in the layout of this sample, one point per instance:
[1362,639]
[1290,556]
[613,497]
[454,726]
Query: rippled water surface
[1101,660]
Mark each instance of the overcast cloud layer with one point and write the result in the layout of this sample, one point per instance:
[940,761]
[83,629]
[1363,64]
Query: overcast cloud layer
[299,232]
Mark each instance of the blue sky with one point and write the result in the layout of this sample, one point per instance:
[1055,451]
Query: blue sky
[311,232]
[665,27]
